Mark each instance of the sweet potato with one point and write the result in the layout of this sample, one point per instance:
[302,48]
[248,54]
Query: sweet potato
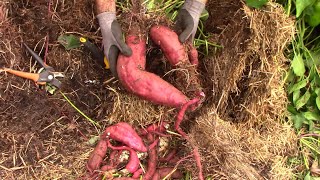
[134,162]
[123,132]
[186,76]
[138,173]
[132,75]
[193,55]
[154,128]
[152,160]
[97,155]
[169,156]
[184,135]
[169,43]
[169,172]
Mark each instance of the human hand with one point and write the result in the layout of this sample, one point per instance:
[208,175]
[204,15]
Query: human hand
[112,39]
[188,19]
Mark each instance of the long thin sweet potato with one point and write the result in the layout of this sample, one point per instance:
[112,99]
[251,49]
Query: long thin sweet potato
[134,162]
[97,155]
[123,132]
[154,128]
[132,75]
[152,161]
[179,119]
[170,172]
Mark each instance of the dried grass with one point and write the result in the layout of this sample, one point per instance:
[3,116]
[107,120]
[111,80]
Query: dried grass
[259,144]
[243,84]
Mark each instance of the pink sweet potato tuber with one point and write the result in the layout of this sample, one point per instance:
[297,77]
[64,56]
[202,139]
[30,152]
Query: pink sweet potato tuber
[97,155]
[123,132]
[134,162]
[168,40]
[184,57]
[132,75]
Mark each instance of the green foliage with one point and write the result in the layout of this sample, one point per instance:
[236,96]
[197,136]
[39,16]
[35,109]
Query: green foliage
[69,41]
[298,65]
[310,10]
[256,3]
[301,5]
[303,81]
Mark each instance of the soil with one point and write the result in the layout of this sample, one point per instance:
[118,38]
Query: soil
[42,135]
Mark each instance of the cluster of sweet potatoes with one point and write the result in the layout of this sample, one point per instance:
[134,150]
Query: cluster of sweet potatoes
[134,77]
[102,164]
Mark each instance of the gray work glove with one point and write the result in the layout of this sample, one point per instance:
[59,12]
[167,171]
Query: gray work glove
[112,39]
[188,19]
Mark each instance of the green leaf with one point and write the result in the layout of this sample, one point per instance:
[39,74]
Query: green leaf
[296,96]
[301,5]
[256,3]
[292,110]
[298,120]
[297,65]
[298,85]
[69,41]
[318,102]
[317,91]
[313,15]
[311,115]
[303,100]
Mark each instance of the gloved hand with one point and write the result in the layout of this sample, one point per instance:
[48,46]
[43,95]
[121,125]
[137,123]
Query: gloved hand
[112,39]
[188,19]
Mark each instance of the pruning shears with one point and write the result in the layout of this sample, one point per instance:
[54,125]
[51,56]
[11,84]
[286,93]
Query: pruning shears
[48,75]
[96,52]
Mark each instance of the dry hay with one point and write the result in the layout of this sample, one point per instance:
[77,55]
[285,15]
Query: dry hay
[250,93]
[243,82]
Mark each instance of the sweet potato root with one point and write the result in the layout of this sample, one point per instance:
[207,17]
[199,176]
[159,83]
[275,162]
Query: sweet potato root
[154,128]
[169,173]
[134,162]
[97,155]
[148,86]
[179,119]
[123,132]
[152,161]
[137,174]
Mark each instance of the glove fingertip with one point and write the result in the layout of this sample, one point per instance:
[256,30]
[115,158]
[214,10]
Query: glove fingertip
[126,51]
[183,37]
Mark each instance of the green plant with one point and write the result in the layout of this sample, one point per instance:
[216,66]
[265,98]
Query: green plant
[303,81]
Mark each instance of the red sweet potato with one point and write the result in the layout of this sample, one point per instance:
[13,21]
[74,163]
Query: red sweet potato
[169,156]
[134,78]
[97,155]
[186,77]
[168,40]
[158,128]
[193,55]
[164,172]
[138,173]
[185,136]
[152,160]
[134,162]
[123,132]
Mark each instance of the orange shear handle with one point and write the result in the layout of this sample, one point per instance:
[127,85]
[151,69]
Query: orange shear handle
[32,76]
